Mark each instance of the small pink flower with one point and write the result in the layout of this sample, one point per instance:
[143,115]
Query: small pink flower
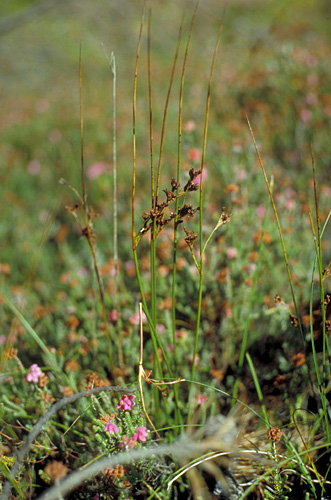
[312,79]
[98,168]
[198,178]
[160,328]
[34,167]
[260,211]
[34,373]
[231,253]
[114,315]
[194,154]
[128,443]
[134,320]
[126,402]
[311,61]
[241,174]
[197,359]
[111,428]
[3,339]
[189,126]
[141,434]
[289,204]
[311,99]
[200,399]
[305,115]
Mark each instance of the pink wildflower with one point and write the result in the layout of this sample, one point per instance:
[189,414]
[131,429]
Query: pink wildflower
[311,61]
[114,315]
[197,359]
[141,434]
[134,320]
[305,115]
[111,428]
[231,253]
[3,339]
[194,154]
[198,178]
[128,443]
[97,169]
[260,211]
[34,373]
[34,167]
[200,399]
[160,328]
[126,402]
[189,126]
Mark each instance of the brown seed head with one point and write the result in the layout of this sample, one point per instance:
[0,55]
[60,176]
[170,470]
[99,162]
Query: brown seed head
[274,434]
[56,470]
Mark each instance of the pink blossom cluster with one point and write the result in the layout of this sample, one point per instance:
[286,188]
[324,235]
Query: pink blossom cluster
[130,442]
[126,402]
[111,428]
[34,373]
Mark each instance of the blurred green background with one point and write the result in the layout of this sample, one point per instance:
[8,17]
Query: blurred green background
[274,62]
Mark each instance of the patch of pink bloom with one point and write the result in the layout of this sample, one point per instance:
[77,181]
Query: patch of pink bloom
[141,434]
[200,399]
[134,320]
[231,253]
[111,428]
[128,443]
[114,315]
[194,154]
[34,373]
[197,180]
[98,168]
[126,402]
[189,126]
[197,359]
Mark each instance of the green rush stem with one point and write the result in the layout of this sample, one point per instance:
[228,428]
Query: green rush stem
[153,282]
[152,246]
[174,269]
[258,390]
[250,306]
[325,367]
[166,111]
[282,243]
[155,340]
[320,268]
[134,152]
[134,239]
[150,109]
[200,218]
[87,222]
